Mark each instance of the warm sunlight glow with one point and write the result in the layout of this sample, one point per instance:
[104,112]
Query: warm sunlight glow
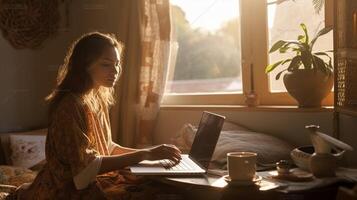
[201,16]
[207,57]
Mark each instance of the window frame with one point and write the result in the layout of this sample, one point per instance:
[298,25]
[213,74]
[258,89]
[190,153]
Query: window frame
[254,52]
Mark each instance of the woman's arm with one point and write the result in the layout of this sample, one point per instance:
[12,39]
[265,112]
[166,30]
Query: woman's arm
[115,162]
[117,149]
[103,164]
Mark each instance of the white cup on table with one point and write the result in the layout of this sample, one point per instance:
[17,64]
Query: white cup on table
[241,165]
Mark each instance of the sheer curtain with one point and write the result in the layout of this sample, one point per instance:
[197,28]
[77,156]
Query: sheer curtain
[144,28]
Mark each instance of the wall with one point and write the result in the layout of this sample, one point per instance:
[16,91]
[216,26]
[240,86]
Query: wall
[27,76]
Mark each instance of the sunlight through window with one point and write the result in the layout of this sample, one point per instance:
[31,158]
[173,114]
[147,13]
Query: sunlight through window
[208,56]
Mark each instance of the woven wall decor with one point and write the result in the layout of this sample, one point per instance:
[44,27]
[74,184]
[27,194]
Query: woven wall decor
[27,23]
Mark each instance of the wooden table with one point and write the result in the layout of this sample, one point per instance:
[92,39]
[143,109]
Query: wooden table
[212,187]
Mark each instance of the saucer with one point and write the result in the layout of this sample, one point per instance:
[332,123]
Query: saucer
[256,179]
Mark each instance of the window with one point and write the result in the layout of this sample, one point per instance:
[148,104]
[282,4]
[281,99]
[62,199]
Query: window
[222,48]
[208,56]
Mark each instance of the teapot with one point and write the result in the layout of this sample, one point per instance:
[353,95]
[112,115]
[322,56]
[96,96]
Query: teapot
[322,162]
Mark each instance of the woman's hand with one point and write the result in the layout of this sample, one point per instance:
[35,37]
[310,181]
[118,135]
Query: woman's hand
[164,151]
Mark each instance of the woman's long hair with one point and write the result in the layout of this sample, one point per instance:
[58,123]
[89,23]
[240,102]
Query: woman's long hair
[73,75]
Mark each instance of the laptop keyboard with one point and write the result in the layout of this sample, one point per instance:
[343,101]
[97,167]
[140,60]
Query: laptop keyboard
[183,165]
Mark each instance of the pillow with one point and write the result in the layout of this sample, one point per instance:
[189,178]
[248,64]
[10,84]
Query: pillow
[24,149]
[16,176]
[27,150]
[184,138]
[232,126]
[269,148]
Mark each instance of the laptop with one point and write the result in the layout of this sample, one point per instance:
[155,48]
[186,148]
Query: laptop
[199,157]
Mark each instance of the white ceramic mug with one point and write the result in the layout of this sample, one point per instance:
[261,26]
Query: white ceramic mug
[241,165]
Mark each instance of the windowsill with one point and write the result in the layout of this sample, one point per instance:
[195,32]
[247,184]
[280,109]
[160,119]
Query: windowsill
[246,108]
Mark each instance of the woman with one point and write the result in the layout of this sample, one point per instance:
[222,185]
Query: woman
[82,160]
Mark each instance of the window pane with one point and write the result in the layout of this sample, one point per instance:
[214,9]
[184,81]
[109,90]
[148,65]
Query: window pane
[284,19]
[208,56]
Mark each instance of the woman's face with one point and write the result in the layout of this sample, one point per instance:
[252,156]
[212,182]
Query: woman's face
[105,70]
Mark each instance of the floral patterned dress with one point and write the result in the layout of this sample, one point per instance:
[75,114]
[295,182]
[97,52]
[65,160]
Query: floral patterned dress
[75,137]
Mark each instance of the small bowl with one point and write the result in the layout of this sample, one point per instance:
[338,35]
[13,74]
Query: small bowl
[301,156]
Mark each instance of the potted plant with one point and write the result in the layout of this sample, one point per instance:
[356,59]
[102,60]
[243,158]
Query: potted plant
[308,77]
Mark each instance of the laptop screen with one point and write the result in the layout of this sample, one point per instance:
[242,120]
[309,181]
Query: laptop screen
[206,138]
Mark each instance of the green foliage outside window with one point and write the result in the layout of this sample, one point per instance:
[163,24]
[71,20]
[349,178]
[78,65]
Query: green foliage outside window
[205,55]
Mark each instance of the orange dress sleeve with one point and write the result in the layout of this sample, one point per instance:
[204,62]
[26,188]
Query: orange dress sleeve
[72,143]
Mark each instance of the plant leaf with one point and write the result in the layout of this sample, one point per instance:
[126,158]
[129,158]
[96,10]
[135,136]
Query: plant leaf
[271,67]
[284,48]
[301,38]
[285,61]
[303,26]
[321,65]
[277,45]
[285,44]
[320,33]
[296,42]
[328,69]
[279,74]
[295,63]
[322,54]
[306,59]
[329,64]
